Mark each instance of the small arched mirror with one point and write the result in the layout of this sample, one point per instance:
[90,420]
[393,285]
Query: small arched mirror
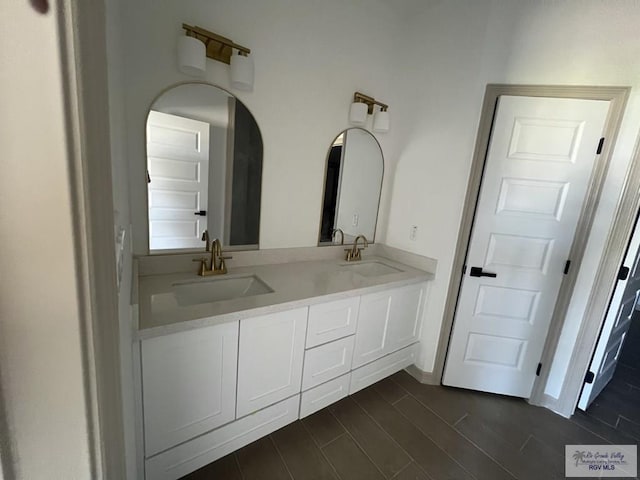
[353,181]
[204,170]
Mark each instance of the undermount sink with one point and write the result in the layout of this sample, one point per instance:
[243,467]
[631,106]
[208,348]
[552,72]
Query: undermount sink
[218,289]
[371,269]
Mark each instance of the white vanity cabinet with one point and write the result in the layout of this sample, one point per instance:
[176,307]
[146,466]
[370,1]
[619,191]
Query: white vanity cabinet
[212,390]
[189,384]
[387,322]
[270,359]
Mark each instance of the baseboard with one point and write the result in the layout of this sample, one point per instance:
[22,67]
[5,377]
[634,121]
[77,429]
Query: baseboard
[423,377]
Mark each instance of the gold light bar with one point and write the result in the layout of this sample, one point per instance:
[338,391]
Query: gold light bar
[218,47]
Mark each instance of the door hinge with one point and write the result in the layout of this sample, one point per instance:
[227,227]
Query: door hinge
[464,269]
[538,370]
[600,145]
[567,266]
[623,273]
[589,377]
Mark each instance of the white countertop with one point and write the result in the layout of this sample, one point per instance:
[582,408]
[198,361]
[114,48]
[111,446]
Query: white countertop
[295,284]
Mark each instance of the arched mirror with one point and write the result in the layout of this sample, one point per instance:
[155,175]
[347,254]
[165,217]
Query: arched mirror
[204,170]
[353,180]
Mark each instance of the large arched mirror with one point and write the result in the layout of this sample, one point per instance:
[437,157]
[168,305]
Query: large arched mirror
[353,180]
[204,170]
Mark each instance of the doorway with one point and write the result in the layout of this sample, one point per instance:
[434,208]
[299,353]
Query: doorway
[611,391]
[617,97]
[537,174]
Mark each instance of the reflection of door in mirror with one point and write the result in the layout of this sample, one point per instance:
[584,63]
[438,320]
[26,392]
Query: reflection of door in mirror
[353,180]
[204,165]
[178,163]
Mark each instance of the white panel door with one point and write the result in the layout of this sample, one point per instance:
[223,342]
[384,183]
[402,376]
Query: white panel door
[537,172]
[616,324]
[178,168]
[188,383]
[271,352]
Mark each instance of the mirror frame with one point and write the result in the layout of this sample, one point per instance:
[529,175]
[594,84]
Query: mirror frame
[324,186]
[182,251]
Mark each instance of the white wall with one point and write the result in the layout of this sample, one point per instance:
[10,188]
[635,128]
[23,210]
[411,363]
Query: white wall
[310,57]
[41,370]
[459,47]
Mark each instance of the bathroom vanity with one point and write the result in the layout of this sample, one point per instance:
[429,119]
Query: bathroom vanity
[228,359]
[223,359]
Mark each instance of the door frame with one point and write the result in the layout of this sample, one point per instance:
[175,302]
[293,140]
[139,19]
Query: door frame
[618,97]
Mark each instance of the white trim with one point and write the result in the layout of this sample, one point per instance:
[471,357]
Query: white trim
[83,50]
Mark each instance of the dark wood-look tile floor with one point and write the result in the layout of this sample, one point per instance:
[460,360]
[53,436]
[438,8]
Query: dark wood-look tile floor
[400,429]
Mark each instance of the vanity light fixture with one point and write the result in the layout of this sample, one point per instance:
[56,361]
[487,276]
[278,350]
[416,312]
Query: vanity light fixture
[364,105]
[200,43]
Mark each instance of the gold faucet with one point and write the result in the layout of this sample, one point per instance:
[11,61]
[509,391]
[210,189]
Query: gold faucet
[205,239]
[333,235]
[214,265]
[353,253]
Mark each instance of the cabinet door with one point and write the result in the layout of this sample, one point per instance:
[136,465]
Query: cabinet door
[387,322]
[405,316]
[373,320]
[270,359]
[188,383]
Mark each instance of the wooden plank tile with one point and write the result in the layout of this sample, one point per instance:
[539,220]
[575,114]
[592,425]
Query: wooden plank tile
[381,449]
[324,428]
[349,461]
[431,458]
[450,406]
[412,472]
[301,454]
[624,403]
[260,461]
[602,430]
[390,390]
[603,413]
[627,427]
[451,441]
[628,374]
[502,450]
[552,458]
[226,467]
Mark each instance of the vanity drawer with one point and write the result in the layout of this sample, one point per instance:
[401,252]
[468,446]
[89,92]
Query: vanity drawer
[327,361]
[332,320]
[323,395]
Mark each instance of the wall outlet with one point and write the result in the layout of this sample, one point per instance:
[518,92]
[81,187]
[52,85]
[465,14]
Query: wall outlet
[413,232]
[356,217]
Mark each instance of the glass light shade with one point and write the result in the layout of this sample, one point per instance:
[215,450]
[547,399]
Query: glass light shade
[242,72]
[192,56]
[358,113]
[381,121]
